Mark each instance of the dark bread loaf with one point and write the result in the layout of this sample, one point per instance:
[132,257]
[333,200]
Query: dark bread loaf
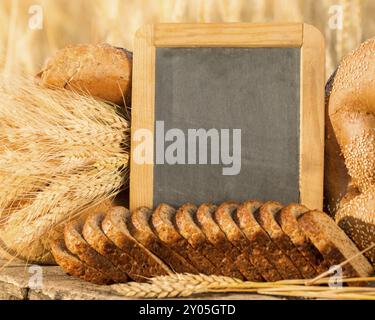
[334,244]
[140,229]
[188,228]
[281,261]
[163,222]
[75,267]
[95,237]
[224,218]
[115,226]
[267,219]
[79,246]
[287,218]
[232,256]
[258,239]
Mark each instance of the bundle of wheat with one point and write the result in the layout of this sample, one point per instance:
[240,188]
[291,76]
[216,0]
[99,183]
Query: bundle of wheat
[61,153]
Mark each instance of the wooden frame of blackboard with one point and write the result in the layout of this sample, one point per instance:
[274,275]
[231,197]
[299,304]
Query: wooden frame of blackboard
[290,35]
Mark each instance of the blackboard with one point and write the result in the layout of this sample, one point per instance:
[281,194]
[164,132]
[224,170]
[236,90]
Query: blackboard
[257,88]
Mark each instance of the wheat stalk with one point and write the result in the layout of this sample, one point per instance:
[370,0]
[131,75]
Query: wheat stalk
[184,285]
[60,154]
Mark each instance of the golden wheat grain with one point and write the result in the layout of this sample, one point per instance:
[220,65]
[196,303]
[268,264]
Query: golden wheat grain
[61,154]
[184,285]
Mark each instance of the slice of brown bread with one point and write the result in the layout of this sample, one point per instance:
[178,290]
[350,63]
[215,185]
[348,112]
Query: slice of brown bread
[282,262]
[258,239]
[334,244]
[96,238]
[115,226]
[213,233]
[75,267]
[187,227]
[224,216]
[267,219]
[78,245]
[140,229]
[163,222]
[287,218]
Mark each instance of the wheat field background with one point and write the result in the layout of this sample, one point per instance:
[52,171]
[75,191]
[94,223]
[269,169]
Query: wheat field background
[23,50]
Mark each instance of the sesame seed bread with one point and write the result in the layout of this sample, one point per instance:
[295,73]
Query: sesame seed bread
[79,246]
[75,267]
[275,254]
[357,219]
[163,222]
[95,237]
[224,218]
[115,227]
[334,244]
[258,239]
[140,229]
[287,219]
[213,233]
[351,121]
[196,238]
[267,220]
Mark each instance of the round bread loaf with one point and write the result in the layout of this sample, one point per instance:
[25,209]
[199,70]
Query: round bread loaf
[350,145]
[101,71]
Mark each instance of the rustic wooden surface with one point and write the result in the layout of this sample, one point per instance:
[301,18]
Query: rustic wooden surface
[16,284]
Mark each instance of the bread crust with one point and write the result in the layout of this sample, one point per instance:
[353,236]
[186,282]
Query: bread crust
[187,227]
[102,71]
[267,220]
[115,227]
[140,229]
[79,246]
[357,219]
[287,218]
[280,260]
[163,222]
[232,256]
[334,244]
[96,238]
[224,218]
[258,239]
[75,267]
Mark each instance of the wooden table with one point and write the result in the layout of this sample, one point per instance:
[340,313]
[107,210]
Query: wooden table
[30,282]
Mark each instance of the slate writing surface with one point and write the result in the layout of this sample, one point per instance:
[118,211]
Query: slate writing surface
[256,90]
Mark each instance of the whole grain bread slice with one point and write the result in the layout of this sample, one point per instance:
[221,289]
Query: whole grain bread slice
[163,222]
[96,238]
[335,246]
[224,216]
[115,226]
[213,233]
[287,219]
[267,219]
[283,263]
[187,227]
[140,229]
[258,239]
[75,267]
[78,245]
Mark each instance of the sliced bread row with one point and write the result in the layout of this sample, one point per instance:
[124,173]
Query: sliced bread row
[251,241]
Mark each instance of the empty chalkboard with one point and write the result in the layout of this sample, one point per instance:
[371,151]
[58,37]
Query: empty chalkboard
[227,112]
